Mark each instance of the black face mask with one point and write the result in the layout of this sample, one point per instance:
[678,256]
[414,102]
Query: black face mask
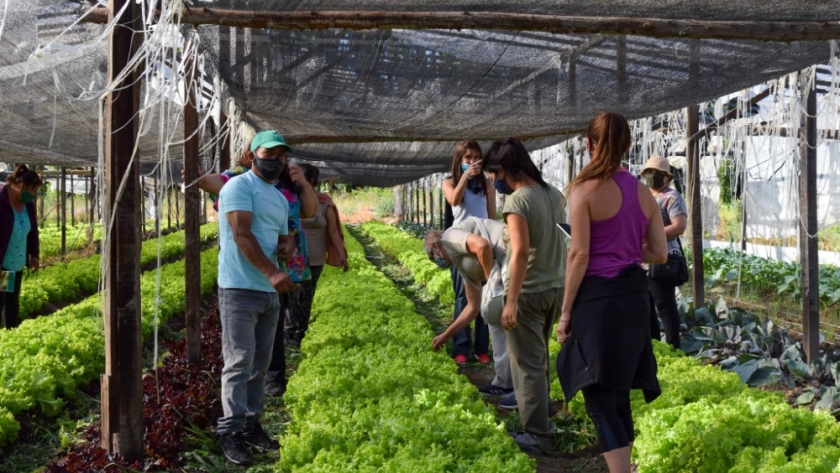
[502,186]
[655,181]
[269,168]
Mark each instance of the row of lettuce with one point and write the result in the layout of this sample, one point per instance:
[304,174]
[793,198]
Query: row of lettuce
[706,420]
[47,358]
[75,236]
[63,281]
[371,395]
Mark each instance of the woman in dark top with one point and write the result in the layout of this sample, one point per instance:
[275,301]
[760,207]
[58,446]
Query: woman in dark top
[657,175]
[616,225]
[18,236]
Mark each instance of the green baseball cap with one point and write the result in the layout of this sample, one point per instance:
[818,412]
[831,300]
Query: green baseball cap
[269,139]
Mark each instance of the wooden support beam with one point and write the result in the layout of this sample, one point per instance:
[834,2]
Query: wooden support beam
[43,197]
[93,200]
[62,211]
[122,389]
[441,208]
[479,20]
[693,154]
[192,211]
[730,115]
[334,139]
[431,208]
[621,69]
[808,254]
[72,202]
[224,146]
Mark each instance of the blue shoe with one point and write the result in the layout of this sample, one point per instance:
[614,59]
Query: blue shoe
[509,403]
[491,390]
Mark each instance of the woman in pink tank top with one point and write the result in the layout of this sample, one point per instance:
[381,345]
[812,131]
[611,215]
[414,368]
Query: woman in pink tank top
[604,329]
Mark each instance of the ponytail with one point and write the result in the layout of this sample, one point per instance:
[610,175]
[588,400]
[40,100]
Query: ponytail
[24,175]
[609,138]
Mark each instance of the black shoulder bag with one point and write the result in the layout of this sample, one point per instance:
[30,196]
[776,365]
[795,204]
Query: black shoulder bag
[673,272]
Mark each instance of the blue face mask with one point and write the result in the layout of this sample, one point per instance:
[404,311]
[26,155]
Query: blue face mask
[441,262]
[502,186]
[465,166]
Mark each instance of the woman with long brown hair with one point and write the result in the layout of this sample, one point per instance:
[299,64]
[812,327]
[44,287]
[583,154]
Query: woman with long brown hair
[468,194]
[604,329]
[19,246]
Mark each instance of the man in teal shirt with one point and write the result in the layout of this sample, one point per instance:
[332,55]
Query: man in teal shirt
[251,233]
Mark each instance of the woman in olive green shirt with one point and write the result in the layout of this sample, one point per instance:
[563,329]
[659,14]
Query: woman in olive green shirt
[537,266]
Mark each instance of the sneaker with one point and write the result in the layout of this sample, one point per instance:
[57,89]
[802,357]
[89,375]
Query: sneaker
[483,358]
[529,443]
[461,359]
[495,391]
[233,446]
[256,437]
[509,403]
[273,388]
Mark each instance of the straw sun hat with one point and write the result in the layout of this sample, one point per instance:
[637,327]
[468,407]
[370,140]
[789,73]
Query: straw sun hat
[658,163]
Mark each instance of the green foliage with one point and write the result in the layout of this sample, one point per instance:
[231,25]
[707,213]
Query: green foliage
[371,395]
[45,359]
[62,281]
[76,236]
[408,250]
[724,265]
[745,433]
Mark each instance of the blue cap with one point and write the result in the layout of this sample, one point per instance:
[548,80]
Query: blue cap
[269,139]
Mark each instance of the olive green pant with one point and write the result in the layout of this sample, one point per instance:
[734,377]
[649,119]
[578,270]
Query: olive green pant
[529,361]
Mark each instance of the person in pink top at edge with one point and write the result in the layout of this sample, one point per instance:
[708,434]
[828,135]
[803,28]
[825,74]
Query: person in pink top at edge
[616,226]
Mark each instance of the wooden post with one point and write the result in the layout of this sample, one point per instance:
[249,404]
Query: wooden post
[169,206]
[743,185]
[570,162]
[417,201]
[93,199]
[398,202]
[72,202]
[58,189]
[423,198]
[441,207]
[224,146]
[431,208]
[192,200]
[63,211]
[87,200]
[808,254]
[621,68]
[41,215]
[693,155]
[573,80]
[177,211]
[158,174]
[122,389]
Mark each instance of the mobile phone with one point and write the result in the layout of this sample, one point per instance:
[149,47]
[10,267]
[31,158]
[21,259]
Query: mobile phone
[7,281]
[566,229]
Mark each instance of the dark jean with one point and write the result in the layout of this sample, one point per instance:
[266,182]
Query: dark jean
[10,304]
[249,322]
[298,304]
[296,320]
[463,339]
[665,298]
